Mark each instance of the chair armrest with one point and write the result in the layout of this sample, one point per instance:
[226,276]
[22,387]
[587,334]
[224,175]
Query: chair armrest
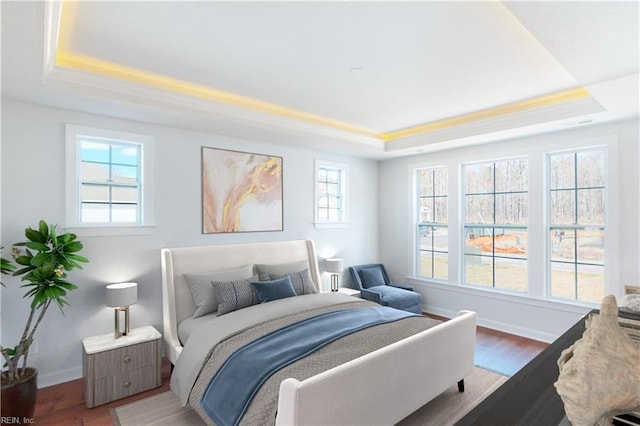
[404,287]
[370,295]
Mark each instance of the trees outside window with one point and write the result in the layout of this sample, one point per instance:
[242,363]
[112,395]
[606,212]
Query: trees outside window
[534,223]
[495,224]
[577,230]
[433,218]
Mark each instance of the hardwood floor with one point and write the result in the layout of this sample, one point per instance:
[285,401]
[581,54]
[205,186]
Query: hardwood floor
[63,404]
[504,353]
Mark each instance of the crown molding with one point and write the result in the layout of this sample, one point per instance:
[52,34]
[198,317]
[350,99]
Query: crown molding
[136,86]
[546,113]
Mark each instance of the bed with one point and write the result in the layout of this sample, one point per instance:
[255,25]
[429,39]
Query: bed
[377,374]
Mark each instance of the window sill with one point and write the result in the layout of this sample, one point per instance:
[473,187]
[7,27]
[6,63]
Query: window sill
[331,225]
[110,231]
[522,298]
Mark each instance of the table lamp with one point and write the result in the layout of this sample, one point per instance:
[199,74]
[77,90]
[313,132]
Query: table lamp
[121,296]
[334,265]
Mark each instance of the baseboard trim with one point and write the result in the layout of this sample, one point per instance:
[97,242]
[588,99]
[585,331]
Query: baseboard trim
[496,325]
[57,377]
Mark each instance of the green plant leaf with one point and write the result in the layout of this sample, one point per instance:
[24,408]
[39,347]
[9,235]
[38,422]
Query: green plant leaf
[7,266]
[42,259]
[67,285]
[71,264]
[78,258]
[54,292]
[44,229]
[39,299]
[33,236]
[72,246]
[23,260]
[23,270]
[34,245]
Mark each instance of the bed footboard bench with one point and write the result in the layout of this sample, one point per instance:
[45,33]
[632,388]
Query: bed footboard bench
[387,385]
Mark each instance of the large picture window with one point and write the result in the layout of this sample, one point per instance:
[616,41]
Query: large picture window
[534,223]
[576,231]
[433,218]
[495,224]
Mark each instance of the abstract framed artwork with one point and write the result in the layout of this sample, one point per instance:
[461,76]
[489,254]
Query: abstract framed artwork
[241,192]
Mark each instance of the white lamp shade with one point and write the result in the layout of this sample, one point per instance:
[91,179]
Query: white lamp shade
[122,294]
[334,265]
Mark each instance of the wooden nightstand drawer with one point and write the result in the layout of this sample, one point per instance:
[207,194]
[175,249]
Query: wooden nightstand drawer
[120,360]
[118,386]
[117,368]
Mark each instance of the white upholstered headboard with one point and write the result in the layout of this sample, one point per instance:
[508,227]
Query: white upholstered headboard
[177,301]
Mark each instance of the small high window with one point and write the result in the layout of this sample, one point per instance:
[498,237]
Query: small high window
[108,178]
[331,194]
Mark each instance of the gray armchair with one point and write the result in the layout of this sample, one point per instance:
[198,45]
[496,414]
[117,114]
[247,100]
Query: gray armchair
[374,285]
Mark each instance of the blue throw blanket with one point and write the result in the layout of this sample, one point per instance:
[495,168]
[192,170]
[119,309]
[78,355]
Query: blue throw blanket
[236,382]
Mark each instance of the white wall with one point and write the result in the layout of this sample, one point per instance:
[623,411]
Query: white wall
[33,155]
[535,318]
[32,177]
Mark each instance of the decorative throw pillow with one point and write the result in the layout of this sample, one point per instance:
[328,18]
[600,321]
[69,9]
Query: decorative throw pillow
[234,295]
[301,281]
[274,289]
[281,269]
[371,277]
[204,294]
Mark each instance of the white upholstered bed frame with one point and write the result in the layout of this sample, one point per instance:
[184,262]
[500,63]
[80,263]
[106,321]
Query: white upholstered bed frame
[382,387]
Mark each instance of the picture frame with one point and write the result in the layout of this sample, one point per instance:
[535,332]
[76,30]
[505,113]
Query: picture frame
[241,192]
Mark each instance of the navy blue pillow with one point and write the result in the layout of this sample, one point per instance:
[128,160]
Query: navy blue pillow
[371,277]
[274,289]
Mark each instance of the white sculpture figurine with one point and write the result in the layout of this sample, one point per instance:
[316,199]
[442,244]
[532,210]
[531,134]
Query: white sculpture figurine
[600,373]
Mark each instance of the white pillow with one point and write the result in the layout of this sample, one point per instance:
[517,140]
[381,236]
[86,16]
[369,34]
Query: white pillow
[203,292]
[280,269]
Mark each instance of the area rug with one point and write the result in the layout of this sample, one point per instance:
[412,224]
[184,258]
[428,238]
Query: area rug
[446,409]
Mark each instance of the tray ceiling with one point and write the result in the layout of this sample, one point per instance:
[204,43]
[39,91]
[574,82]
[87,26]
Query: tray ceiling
[394,76]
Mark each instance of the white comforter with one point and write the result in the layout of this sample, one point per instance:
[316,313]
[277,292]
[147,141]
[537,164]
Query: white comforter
[207,336]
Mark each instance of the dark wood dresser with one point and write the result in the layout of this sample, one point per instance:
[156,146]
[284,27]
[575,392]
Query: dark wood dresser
[529,398]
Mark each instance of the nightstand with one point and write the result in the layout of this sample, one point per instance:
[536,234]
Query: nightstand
[117,368]
[350,291]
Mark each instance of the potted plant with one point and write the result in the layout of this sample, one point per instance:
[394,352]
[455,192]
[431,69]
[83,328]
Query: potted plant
[45,260]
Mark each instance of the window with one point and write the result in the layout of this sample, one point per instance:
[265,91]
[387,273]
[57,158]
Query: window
[432,229]
[534,223]
[495,224]
[109,182]
[108,178]
[331,194]
[576,224]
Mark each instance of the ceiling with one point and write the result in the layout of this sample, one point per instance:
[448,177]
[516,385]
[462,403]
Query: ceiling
[375,79]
